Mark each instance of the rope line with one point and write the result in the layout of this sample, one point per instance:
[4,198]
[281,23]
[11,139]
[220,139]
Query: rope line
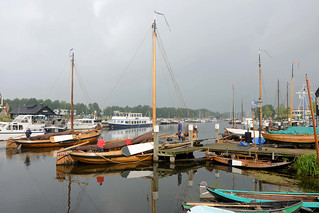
[125,70]
[56,80]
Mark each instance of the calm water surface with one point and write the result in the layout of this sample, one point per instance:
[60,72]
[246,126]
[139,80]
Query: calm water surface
[30,181]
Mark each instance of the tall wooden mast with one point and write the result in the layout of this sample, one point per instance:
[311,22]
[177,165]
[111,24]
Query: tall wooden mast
[313,120]
[260,97]
[72,62]
[154,72]
[260,104]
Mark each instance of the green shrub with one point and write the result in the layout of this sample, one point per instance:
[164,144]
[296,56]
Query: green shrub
[5,119]
[307,165]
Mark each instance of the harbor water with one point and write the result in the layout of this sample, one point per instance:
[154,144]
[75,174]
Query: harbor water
[30,181]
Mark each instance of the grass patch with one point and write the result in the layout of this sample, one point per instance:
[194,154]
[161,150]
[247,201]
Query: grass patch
[307,165]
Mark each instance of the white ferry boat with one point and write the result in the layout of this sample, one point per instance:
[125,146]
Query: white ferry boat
[128,120]
[18,127]
[83,123]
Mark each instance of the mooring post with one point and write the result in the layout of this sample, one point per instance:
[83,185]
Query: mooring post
[155,153]
[217,132]
[190,133]
[172,160]
[273,156]
[190,177]
[155,182]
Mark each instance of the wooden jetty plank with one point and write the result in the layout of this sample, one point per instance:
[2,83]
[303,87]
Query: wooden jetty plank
[233,148]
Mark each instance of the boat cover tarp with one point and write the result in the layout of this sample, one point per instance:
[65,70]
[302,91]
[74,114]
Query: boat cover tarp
[242,143]
[295,130]
[257,141]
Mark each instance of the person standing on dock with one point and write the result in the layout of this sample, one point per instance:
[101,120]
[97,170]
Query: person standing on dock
[28,133]
[179,131]
[100,145]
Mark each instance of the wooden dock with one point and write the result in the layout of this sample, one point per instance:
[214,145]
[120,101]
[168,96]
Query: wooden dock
[231,147]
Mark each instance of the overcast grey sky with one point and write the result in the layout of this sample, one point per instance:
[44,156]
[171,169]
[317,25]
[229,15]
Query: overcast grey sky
[212,45]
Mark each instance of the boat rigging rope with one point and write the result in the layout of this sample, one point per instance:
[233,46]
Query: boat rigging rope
[169,68]
[94,205]
[43,192]
[166,82]
[83,88]
[56,80]
[124,71]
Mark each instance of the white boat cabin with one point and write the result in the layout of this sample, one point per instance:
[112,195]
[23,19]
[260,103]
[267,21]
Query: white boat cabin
[20,124]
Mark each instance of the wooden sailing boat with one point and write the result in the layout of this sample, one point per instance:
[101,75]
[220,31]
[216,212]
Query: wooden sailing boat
[294,135]
[62,139]
[118,156]
[245,161]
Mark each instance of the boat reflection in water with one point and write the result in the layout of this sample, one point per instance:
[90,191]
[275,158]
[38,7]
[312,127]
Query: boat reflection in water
[259,177]
[28,155]
[116,182]
[102,175]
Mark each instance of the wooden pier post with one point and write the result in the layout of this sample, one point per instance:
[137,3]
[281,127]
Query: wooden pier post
[190,133]
[217,132]
[190,177]
[155,153]
[172,159]
[155,182]
[273,156]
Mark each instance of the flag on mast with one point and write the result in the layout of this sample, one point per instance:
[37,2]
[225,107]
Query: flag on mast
[254,103]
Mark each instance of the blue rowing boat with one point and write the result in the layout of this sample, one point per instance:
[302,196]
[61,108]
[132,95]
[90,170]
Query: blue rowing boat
[310,200]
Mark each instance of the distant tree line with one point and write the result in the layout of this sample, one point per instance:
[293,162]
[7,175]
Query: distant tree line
[269,111]
[82,109]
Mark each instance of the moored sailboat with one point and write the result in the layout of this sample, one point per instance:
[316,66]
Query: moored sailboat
[113,154]
[60,139]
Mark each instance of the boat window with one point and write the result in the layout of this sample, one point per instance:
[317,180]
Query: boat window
[9,127]
[20,127]
[126,122]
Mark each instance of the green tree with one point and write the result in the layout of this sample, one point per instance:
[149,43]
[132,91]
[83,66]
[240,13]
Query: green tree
[268,111]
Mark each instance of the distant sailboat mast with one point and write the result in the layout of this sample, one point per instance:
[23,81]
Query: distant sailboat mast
[233,108]
[292,89]
[287,103]
[242,111]
[72,62]
[278,100]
